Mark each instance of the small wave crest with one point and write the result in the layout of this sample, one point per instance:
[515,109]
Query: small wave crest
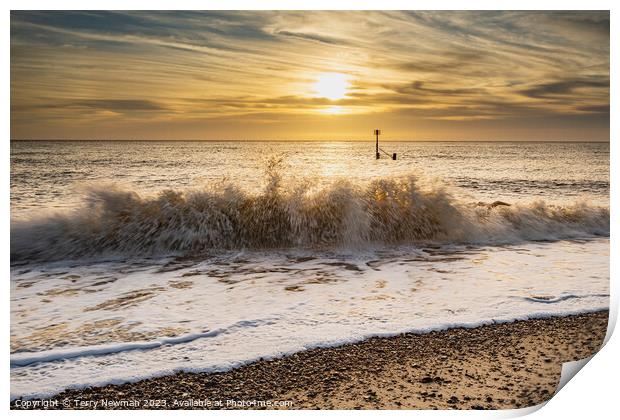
[557,299]
[29,358]
[398,210]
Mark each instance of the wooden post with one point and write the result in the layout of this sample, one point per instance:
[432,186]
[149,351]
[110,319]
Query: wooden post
[377,132]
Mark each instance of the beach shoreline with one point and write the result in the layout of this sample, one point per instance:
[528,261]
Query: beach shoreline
[497,366]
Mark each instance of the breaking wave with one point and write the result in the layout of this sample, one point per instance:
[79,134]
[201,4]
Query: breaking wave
[401,210]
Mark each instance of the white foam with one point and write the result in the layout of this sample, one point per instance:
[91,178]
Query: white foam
[29,358]
[137,375]
[233,309]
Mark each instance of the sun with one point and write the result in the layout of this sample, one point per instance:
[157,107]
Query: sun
[331,85]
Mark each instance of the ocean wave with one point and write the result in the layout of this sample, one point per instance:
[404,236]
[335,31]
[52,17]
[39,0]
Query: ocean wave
[398,210]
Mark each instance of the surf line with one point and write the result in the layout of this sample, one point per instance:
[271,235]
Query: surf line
[30,358]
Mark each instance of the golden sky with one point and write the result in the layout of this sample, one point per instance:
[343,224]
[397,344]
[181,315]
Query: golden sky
[310,75]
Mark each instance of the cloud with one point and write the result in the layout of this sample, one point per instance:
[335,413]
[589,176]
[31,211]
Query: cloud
[418,88]
[564,87]
[115,105]
[596,109]
[170,68]
[313,37]
[119,104]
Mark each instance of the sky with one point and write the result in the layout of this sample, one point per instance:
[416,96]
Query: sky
[322,75]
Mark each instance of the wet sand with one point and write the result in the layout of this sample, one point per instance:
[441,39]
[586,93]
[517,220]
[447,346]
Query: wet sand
[497,366]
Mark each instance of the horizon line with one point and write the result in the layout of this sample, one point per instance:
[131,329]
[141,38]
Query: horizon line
[320,140]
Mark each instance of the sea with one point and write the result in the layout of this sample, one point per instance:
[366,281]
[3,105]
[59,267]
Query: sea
[135,259]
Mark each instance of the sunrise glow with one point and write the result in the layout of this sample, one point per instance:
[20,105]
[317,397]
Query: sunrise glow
[318,75]
[331,85]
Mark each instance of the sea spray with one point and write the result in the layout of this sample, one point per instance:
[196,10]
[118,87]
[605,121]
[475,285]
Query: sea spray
[397,210]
